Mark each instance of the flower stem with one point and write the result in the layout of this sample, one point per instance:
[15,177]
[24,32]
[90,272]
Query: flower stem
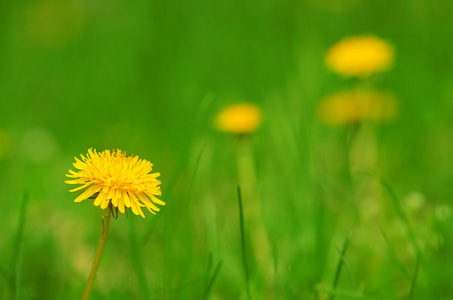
[98,256]
[246,174]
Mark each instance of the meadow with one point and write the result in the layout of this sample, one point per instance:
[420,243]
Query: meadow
[298,208]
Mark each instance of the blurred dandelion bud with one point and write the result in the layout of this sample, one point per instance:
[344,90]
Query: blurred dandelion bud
[242,118]
[369,207]
[5,143]
[360,56]
[415,200]
[442,212]
[116,180]
[53,23]
[353,106]
[38,145]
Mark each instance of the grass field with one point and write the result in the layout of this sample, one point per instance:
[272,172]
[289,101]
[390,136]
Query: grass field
[357,211]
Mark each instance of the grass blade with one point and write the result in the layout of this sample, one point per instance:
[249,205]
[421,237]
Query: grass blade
[347,270]
[397,206]
[289,286]
[136,254]
[244,254]
[208,269]
[402,215]
[343,293]
[166,294]
[400,211]
[340,265]
[394,257]
[212,279]
[17,256]
[275,255]
[414,278]
[195,171]
[3,272]
[181,162]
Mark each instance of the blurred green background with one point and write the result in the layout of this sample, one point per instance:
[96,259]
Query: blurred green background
[148,77]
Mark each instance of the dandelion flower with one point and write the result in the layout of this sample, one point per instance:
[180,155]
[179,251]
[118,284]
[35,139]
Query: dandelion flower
[113,178]
[339,109]
[353,106]
[240,118]
[360,56]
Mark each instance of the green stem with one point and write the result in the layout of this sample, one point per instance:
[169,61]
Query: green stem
[98,256]
[246,168]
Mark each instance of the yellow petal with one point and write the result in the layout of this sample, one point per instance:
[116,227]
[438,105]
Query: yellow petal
[80,187]
[111,193]
[155,191]
[105,203]
[146,201]
[151,210]
[141,212]
[121,205]
[115,198]
[134,207]
[100,198]
[90,152]
[127,201]
[73,174]
[88,193]
[75,181]
[155,200]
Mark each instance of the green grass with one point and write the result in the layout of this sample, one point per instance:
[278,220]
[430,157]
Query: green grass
[243,246]
[148,77]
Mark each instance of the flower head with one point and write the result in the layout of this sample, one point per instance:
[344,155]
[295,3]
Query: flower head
[240,118]
[352,106]
[116,179]
[360,56]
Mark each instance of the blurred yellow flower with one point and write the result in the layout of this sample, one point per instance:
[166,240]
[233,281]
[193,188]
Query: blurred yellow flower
[5,143]
[240,118]
[352,106]
[112,178]
[360,56]
[54,23]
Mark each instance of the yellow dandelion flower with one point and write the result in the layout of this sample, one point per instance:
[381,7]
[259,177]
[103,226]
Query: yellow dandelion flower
[240,118]
[353,106]
[339,110]
[360,56]
[112,178]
